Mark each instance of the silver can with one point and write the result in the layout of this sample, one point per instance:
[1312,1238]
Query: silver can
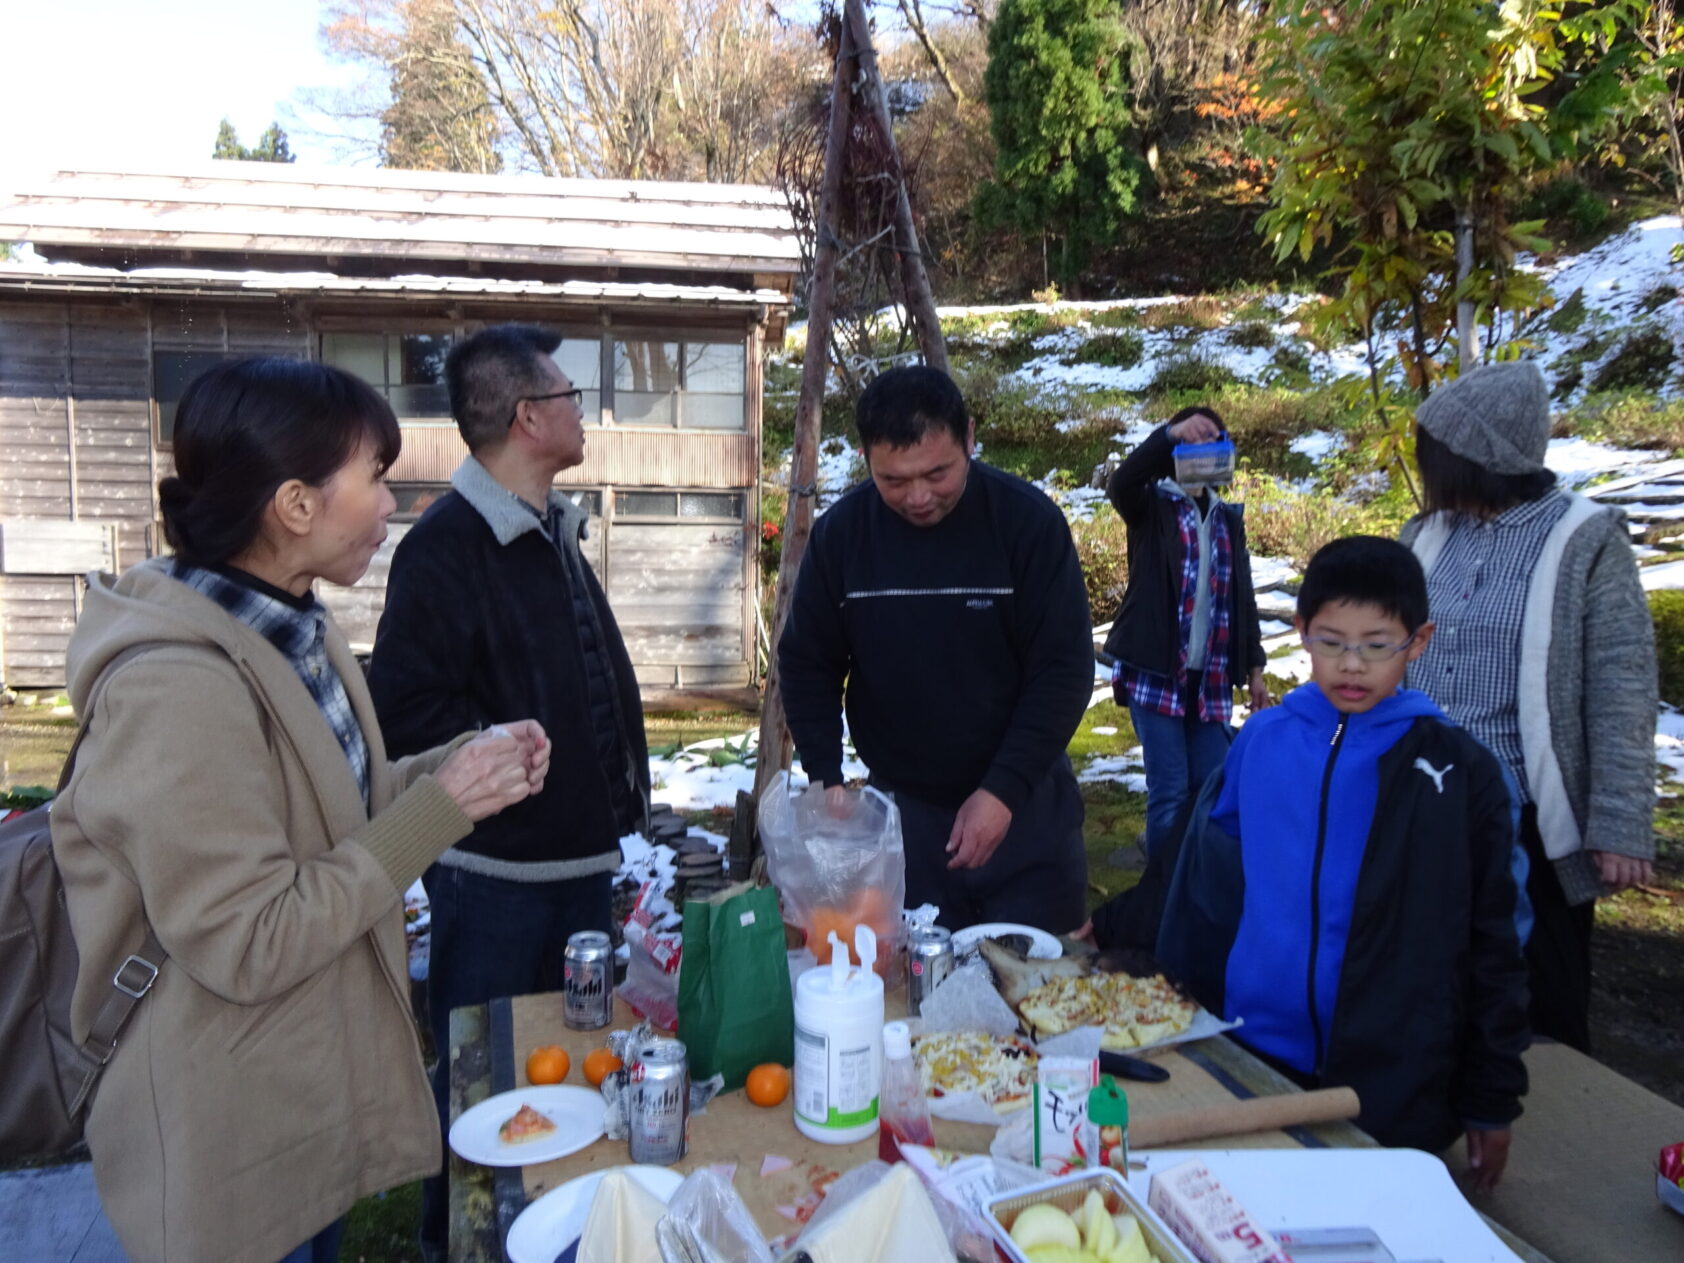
[659,1123]
[929,959]
[588,974]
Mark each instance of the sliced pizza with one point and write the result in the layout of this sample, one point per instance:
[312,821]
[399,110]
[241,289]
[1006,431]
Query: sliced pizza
[526,1126]
[999,1069]
[1134,1011]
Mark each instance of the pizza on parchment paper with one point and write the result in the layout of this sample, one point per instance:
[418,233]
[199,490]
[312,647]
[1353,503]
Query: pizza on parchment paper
[1134,1011]
[998,1068]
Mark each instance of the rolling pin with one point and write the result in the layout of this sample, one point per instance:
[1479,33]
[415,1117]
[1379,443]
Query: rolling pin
[1236,1118]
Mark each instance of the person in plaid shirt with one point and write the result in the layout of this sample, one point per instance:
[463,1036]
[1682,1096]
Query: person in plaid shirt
[1187,634]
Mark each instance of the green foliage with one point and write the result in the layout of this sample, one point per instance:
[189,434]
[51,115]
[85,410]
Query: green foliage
[1115,318]
[1396,117]
[1657,298]
[1117,350]
[272,146]
[1201,313]
[1572,204]
[24,797]
[1102,546]
[1632,420]
[1667,609]
[1568,316]
[383,1226]
[1057,94]
[1290,366]
[1281,522]
[1643,362]
[1193,374]
[1252,333]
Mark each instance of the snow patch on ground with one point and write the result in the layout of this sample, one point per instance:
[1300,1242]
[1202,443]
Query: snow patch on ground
[1577,461]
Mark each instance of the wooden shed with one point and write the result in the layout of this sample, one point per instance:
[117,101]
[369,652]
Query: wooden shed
[131,284]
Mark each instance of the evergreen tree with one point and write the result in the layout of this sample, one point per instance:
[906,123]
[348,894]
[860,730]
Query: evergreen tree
[228,143]
[271,146]
[1057,93]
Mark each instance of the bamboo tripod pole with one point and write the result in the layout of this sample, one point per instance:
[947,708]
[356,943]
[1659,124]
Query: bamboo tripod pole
[815,367]
[915,279]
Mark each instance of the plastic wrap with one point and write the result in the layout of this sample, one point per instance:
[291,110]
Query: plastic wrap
[836,868]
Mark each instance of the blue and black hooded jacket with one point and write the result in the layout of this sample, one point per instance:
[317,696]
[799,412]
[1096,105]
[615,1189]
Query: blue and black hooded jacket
[1345,888]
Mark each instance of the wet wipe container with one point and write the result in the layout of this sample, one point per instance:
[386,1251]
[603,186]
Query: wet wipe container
[839,1044]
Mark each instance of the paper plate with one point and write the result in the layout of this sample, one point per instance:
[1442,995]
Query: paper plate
[553,1222]
[576,1113]
[1042,946]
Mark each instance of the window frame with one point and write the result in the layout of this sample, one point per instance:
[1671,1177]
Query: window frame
[156,405]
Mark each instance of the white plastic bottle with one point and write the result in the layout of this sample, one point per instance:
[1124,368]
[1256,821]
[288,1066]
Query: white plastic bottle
[905,1110]
[839,1044]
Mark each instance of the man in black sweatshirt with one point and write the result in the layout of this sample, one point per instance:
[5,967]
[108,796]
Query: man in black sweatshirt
[946,596]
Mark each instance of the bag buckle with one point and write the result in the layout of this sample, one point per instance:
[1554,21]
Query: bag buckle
[138,988]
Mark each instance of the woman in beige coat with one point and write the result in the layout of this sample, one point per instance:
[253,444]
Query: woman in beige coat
[233,793]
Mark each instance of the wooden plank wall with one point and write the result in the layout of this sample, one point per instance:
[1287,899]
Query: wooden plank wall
[677,593]
[85,370]
[683,593]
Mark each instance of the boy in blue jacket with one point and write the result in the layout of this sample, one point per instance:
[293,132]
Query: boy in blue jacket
[1344,886]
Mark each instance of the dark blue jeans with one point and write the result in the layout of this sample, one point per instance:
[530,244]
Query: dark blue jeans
[492,937]
[321,1248]
[1180,755]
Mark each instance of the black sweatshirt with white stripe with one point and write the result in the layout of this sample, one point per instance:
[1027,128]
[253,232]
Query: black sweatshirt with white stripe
[964,648]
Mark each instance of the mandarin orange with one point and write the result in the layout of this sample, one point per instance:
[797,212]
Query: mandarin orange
[599,1064]
[768,1084]
[548,1063]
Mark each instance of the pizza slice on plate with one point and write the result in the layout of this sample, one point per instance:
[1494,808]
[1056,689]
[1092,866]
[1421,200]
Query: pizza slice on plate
[527,1125]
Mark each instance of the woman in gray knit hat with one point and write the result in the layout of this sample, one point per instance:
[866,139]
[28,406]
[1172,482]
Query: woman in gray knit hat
[1545,651]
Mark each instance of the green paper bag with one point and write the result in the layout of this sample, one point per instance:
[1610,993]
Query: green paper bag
[735,1009]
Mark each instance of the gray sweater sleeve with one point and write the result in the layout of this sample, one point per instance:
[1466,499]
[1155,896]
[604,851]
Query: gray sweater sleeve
[1620,701]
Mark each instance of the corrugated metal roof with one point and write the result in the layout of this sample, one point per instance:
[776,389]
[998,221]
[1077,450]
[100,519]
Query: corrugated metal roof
[258,208]
[38,274]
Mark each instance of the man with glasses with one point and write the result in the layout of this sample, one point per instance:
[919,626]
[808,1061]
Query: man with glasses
[490,600]
[1346,885]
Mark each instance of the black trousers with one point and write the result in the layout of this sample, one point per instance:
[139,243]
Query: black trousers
[1558,953]
[1038,876]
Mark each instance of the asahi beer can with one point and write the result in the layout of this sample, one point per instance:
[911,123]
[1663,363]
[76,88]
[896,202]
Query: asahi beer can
[659,1121]
[588,973]
[929,959]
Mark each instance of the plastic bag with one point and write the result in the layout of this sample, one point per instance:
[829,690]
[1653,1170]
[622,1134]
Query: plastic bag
[655,945]
[836,869]
[706,1222]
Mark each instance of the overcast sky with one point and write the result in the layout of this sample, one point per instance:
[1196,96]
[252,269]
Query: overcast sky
[144,83]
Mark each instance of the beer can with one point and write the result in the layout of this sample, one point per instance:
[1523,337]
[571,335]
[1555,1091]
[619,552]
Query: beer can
[659,1121]
[929,959]
[588,974]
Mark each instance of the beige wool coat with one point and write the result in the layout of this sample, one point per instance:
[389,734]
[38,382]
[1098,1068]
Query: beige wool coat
[273,1075]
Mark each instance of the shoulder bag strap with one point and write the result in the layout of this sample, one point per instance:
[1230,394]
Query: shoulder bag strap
[135,976]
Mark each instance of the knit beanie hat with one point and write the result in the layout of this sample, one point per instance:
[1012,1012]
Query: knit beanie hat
[1497,416]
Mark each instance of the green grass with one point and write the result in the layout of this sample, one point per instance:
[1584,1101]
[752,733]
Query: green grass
[382,1228]
[1116,817]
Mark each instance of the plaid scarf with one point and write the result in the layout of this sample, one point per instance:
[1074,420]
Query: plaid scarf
[1215,697]
[300,635]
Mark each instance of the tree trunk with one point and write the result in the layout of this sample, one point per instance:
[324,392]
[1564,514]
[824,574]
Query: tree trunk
[1467,332]
[915,281]
[774,752]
